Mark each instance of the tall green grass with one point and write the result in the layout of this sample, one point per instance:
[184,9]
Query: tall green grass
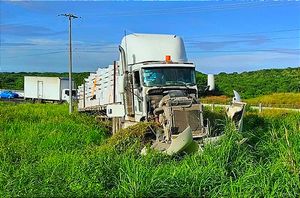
[283,100]
[46,152]
[287,100]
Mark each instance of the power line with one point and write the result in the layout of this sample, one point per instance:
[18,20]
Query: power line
[193,9]
[184,10]
[174,9]
[187,40]
[247,33]
[189,51]
[38,54]
[241,41]
[101,45]
[94,47]
[297,50]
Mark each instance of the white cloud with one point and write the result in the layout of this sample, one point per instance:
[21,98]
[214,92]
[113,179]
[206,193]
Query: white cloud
[52,55]
[245,62]
[46,42]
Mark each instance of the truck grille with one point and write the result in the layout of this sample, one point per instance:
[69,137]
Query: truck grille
[182,118]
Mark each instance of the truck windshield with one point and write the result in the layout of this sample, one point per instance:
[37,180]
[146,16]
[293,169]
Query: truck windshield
[168,76]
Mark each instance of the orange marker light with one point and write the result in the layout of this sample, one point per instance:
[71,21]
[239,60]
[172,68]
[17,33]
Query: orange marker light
[168,58]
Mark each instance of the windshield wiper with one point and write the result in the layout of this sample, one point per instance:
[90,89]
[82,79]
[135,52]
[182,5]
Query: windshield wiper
[183,83]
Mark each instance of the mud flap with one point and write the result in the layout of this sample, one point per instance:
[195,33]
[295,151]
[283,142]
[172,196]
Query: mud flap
[236,111]
[183,142]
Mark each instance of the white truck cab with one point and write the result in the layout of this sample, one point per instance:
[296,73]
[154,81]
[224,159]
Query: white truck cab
[65,94]
[152,81]
[156,63]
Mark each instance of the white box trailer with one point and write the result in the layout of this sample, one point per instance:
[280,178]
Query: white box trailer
[47,88]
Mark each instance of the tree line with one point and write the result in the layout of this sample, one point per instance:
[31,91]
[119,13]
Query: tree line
[248,84]
[254,83]
[15,81]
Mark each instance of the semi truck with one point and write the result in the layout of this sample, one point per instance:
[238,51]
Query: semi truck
[47,88]
[153,81]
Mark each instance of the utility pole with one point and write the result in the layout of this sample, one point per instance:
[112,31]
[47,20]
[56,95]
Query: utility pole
[70,16]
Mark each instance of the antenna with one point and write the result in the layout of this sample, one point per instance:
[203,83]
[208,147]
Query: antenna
[125,34]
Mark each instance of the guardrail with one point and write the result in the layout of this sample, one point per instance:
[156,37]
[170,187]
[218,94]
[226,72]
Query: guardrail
[260,107]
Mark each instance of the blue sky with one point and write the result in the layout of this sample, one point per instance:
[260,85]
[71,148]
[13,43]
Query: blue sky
[219,36]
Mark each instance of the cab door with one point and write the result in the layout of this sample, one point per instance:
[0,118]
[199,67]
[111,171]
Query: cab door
[138,97]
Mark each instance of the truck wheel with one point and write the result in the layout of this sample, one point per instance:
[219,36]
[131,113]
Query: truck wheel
[143,119]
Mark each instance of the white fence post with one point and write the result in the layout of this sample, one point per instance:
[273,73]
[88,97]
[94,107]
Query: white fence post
[260,108]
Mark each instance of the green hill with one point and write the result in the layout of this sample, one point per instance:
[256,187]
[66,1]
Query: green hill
[255,83]
[248,84]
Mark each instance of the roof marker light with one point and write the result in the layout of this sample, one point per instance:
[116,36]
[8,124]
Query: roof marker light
[168,59]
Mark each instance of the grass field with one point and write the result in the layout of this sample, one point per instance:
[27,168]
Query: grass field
[290,100]
[45,152]
[284,100]
[216,99]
